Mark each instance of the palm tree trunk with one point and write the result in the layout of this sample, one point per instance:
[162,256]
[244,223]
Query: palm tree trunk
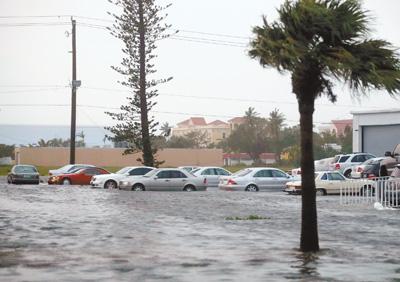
[309,224]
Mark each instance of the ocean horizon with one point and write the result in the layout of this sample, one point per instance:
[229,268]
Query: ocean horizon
[11,134]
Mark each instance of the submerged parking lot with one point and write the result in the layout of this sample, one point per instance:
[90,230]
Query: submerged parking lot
[50,233]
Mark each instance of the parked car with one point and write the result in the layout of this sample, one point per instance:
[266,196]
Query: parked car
[369,168]
[78,177]
[211,174]
[328,182]
[23,174]
[164,179]
[68,169]
[111,180]
[319,165]
[255,179]
[344,163]
[393,160]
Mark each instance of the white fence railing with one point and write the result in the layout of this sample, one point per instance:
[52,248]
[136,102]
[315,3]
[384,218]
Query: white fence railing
[384,190]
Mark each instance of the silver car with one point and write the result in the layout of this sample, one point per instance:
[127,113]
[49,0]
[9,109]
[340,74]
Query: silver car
[211,175]
[256,179]
[164,179]
[111,181]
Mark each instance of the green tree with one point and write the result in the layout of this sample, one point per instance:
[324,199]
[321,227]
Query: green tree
[315,41]
[7,151]
[194,139]
[139,27]
[166,129]
[250,137]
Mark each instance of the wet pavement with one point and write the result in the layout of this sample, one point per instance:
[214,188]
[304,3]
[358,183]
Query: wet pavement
[56,233]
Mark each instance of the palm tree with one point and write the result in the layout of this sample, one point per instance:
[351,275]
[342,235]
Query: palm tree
[315,41]
[165,129]
[275,123]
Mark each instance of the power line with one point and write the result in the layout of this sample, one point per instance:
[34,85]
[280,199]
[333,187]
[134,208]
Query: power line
[32,90]
[227,98]
[159,112]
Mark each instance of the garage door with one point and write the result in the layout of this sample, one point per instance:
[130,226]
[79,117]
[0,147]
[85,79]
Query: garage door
[379,139]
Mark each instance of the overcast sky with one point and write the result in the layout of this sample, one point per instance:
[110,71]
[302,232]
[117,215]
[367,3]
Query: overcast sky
[218,78]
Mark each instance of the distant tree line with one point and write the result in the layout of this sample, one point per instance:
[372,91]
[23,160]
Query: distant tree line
[258,135]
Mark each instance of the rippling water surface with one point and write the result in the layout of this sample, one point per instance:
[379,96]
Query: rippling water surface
[77,233]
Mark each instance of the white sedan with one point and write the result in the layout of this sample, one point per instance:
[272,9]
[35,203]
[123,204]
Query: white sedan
[329,182]
[111,181]
[164,179]
[211,174]
[255,179]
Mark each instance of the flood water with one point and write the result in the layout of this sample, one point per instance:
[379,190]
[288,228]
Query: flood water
[50,233]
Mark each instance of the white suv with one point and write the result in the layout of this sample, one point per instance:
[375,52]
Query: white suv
[344,163]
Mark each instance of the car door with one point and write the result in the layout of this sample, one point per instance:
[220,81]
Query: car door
[178,180]
[212,176]
[322,182]
[160,181]
[335,182]
[86,175]
[264,179]
[280,179]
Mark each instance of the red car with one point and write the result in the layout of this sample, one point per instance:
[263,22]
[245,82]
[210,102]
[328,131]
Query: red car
[81,176]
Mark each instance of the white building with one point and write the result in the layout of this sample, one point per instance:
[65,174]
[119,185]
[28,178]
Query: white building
[376,132]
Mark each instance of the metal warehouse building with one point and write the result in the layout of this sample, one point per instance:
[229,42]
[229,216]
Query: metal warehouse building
[376,132]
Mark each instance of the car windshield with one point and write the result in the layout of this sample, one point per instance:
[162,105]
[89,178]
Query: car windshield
[151,173]
[65,168]
[195,170]
[75,170]
[242,172]
[123,170]
[343,159]
[25,169]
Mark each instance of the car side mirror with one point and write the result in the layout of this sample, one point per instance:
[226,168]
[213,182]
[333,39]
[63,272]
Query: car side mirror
[388,154]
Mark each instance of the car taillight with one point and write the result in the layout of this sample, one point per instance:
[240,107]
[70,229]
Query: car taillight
[371,175]
[359,169]
[337,166]
[231,182]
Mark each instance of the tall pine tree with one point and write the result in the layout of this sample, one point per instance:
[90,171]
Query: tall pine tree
[139,26]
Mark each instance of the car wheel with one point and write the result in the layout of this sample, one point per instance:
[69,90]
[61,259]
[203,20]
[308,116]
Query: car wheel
[367,190]
[9,180]
[252,188]
[189,188]
[66,181]
[110,184]
[320,192]
[347,174]
[138,187]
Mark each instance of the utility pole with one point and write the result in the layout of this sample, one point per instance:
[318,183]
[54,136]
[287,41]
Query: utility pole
[74,85]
